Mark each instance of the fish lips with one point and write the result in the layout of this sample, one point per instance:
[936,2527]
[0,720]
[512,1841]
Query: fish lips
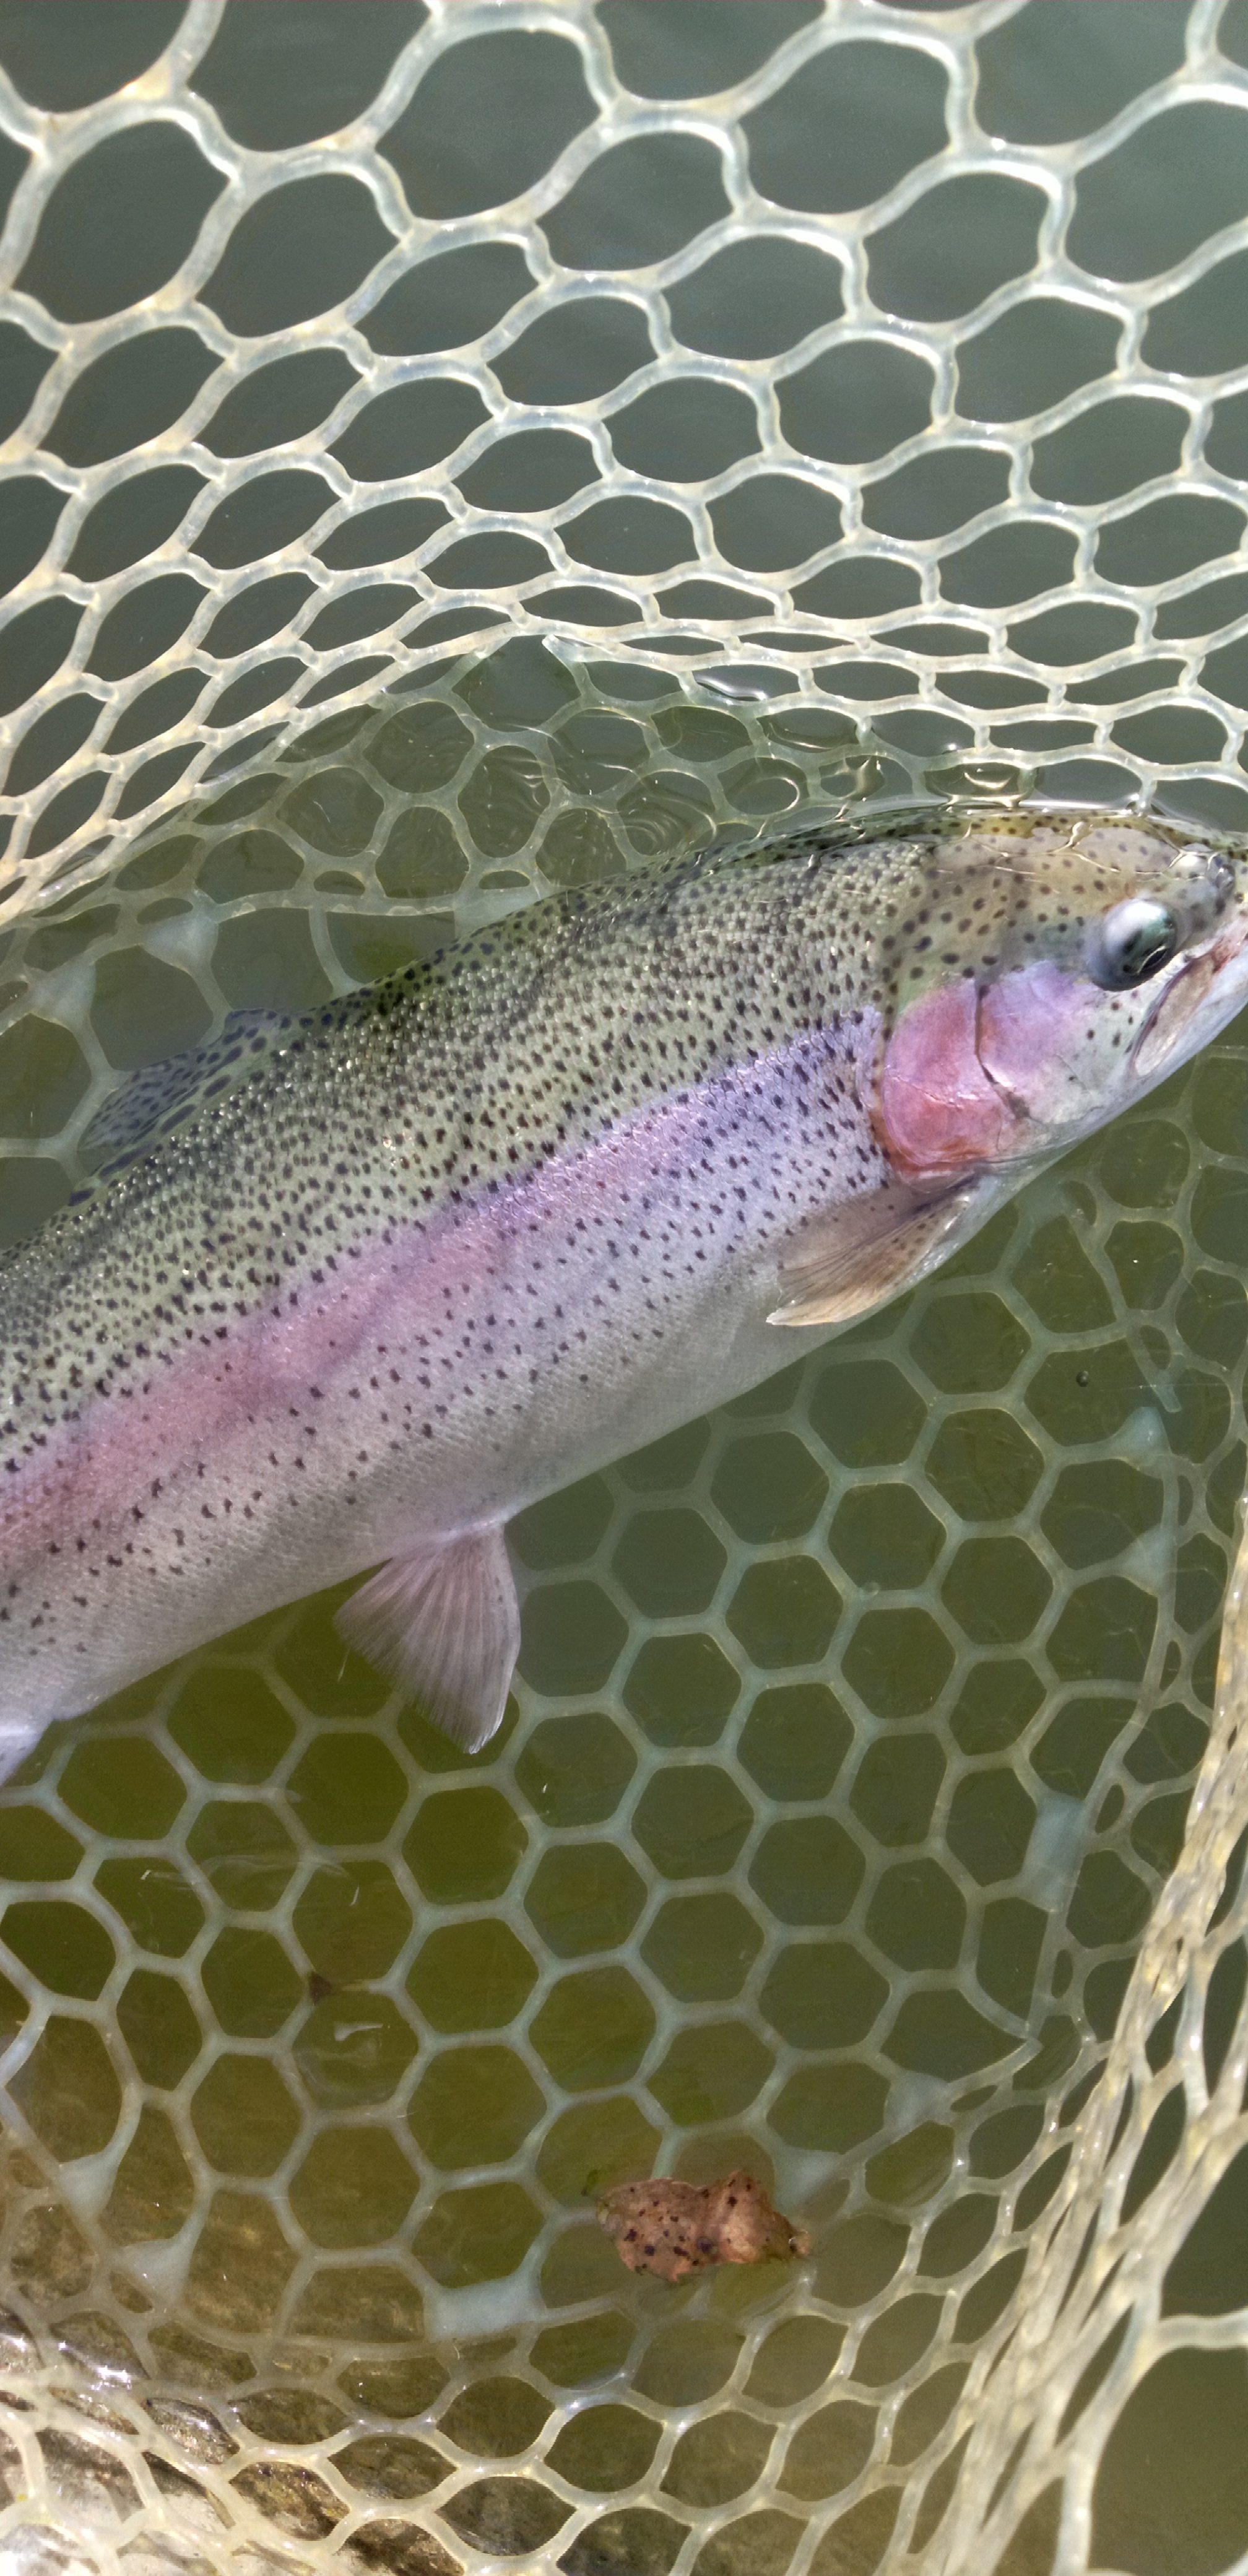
[1194,1005]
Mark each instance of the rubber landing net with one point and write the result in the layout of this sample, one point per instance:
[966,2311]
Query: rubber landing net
[452,452]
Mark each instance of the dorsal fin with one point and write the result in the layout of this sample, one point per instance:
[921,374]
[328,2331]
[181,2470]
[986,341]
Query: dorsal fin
[160,1096]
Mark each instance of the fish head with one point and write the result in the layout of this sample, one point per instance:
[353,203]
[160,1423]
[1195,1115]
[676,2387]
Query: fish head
[1041,972]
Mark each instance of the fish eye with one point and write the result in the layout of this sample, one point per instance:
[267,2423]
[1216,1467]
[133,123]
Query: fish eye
[1132,942]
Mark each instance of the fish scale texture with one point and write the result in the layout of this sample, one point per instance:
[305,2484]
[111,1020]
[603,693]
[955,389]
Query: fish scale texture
[776,407]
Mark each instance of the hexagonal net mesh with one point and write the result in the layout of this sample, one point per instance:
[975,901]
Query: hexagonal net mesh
[455,452]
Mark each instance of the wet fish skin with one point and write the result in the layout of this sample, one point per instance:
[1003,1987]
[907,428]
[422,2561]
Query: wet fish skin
[453,1241]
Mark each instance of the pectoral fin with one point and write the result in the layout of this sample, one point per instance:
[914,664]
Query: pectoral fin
[866,1251]
[443,1621]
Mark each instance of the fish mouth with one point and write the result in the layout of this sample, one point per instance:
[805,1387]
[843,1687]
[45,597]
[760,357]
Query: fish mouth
[1169,1033]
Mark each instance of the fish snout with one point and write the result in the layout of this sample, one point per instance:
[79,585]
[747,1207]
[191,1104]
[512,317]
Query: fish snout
[1206,992]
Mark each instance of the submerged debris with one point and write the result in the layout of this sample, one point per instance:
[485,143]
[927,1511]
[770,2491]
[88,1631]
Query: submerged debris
[672,2228]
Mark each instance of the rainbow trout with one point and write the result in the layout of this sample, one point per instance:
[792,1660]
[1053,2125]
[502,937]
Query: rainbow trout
[363,1283]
